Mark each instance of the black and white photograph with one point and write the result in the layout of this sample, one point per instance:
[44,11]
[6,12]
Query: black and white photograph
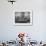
[23,18]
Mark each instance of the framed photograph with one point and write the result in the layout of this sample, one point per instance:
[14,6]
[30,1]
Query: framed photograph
[23,18]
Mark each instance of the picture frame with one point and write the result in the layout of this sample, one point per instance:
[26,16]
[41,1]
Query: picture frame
[23,18]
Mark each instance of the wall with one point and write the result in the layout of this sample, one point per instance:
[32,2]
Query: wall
[9,31]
